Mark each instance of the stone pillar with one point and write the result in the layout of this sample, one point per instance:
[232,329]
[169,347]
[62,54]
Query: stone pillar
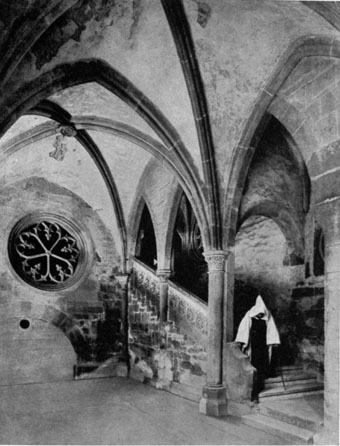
[123,280]
[228,306]
[214,401]
[163,275]
[229,296]
[329,217]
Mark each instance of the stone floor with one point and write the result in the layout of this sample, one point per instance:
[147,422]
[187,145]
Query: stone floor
[112,411]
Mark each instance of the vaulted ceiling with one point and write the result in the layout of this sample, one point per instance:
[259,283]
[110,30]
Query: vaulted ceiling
[170,80]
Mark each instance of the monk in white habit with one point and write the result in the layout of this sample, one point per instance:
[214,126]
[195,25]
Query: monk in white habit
[257,334]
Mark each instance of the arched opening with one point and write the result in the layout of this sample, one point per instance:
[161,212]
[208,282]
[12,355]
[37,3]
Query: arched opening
[146,249]
[262,267]
[275,250]
[318,253]
[188,263]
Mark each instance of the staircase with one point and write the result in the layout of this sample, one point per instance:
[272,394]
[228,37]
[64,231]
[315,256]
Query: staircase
[293,413]
[296,381]
[94,370]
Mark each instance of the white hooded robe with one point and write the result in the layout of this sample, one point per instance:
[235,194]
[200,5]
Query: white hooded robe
[272,334]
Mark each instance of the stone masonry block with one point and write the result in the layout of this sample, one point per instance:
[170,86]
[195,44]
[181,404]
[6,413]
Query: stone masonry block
[327,128]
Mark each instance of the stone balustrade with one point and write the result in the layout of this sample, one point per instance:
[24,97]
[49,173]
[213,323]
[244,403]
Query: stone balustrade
[185,307]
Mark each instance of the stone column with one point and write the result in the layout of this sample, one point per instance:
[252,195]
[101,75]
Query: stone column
[214,401]
[123,280]
[228,306]
[329,217]
[163,275]
[229,296]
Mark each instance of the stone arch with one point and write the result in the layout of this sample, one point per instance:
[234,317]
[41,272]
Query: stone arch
[35,341]
[299,132]
[277,162]
[243,152]
[295,143]
[282,217]
[187,262]
[94,70]
[146,247]
[65,322]
[164,242]
[263,266]
[48,129]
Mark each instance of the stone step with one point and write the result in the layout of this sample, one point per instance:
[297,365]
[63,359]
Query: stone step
[291,368]
[287,395]
[296,376]
[286,431]
[92,370]
[289,382]
[290,389]
[306,419]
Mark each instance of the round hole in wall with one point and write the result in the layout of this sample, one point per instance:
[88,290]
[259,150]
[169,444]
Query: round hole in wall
[24,323]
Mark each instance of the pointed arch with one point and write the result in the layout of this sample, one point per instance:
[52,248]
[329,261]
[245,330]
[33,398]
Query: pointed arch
[177,196]
[143,211]
[288,226]
[243,152]
[95,70]
[50,128]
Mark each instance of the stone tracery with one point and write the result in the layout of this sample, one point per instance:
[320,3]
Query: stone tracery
[44,253]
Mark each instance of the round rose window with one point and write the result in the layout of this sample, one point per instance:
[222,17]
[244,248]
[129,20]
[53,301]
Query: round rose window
[46,252]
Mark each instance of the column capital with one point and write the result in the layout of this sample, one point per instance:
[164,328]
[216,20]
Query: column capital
[163,274]
[216,260]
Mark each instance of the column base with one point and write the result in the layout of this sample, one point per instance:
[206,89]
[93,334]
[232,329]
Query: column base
[214,401]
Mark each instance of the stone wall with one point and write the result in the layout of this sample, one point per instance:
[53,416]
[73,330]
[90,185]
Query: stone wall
[261,266]
[296,302]
[86,314]
[307,313]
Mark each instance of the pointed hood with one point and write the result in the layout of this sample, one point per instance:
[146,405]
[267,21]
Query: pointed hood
[259,307]
[272,335]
